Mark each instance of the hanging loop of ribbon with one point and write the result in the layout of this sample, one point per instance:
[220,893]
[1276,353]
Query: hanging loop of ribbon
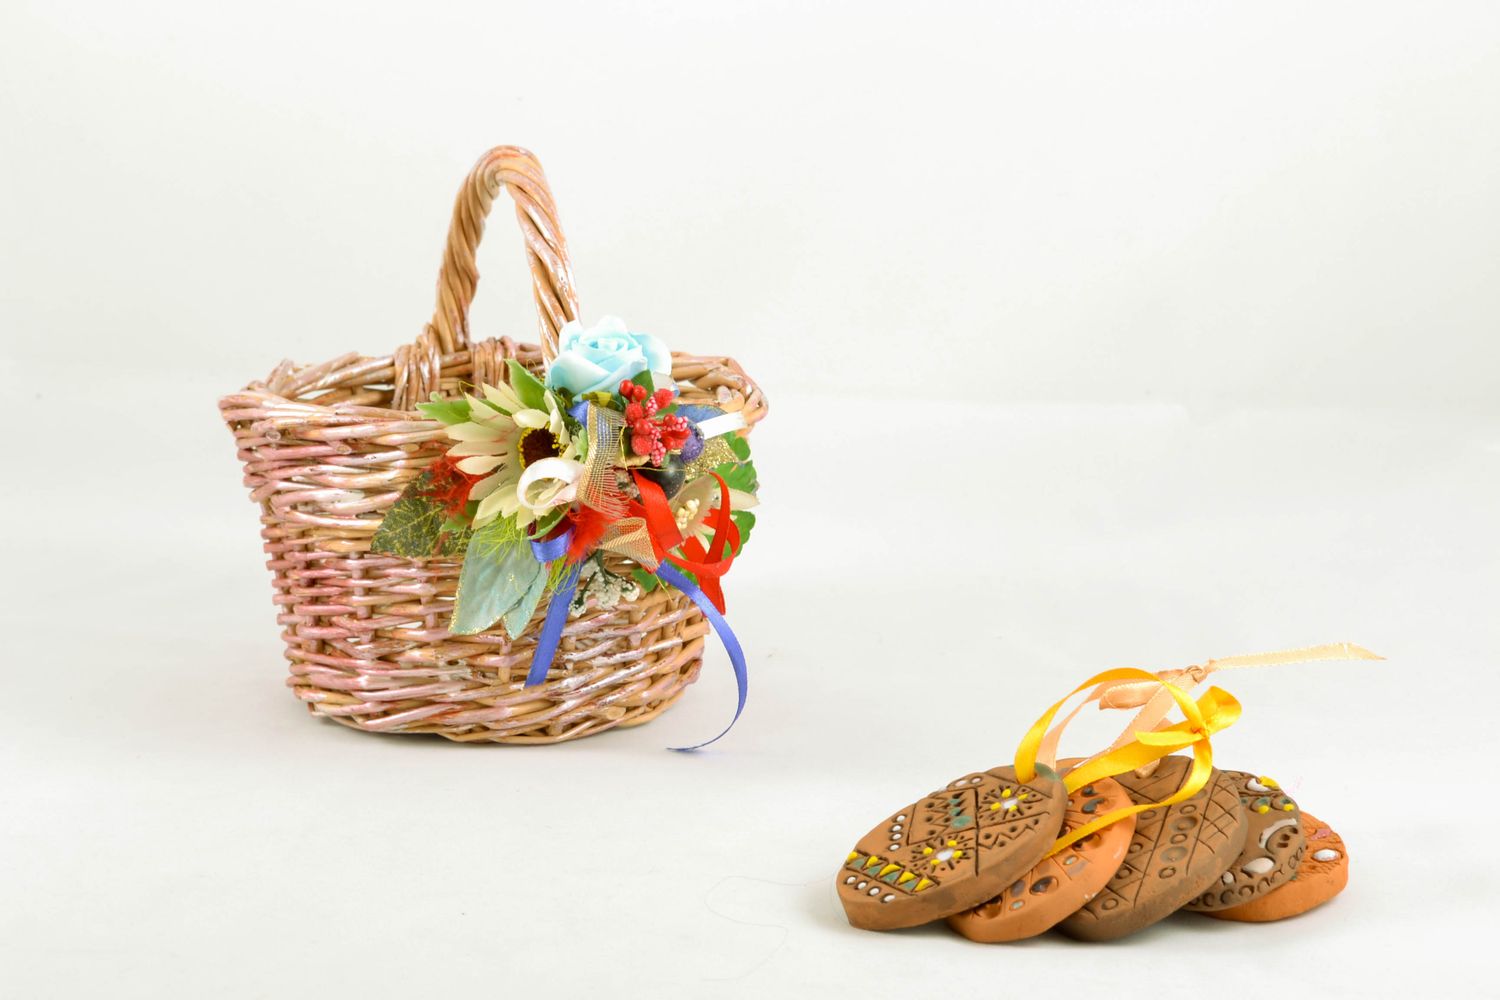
[1154,704]
[1215,711]
[1147,738]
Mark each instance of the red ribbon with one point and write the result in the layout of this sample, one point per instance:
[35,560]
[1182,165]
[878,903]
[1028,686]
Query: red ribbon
[708,565]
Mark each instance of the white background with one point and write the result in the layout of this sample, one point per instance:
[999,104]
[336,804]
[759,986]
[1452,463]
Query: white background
[1095,335]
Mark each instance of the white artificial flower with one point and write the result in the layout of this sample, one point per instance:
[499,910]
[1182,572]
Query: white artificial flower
[501,445]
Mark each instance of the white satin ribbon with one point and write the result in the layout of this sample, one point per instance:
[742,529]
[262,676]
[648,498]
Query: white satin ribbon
[558,479]
[722,424]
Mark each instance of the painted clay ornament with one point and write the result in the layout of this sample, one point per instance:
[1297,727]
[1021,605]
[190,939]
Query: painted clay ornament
[1322,875]
[1176,853]
[951,850]
[1273,846]
[1060,884]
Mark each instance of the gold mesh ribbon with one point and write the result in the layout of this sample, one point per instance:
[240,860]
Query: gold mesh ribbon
[629,538]
[598,487]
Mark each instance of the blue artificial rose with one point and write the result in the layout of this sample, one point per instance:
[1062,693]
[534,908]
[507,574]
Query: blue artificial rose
[598,360]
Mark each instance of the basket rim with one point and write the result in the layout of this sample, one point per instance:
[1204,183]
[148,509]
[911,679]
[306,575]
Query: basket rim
[300,385]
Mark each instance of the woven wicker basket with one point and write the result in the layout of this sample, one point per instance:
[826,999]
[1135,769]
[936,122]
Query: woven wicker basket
[328,448]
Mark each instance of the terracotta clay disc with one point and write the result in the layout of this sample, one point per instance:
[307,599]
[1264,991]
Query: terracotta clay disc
[1322,875]
[1175,855]
[1059,885]
[1272,851]
[951,850]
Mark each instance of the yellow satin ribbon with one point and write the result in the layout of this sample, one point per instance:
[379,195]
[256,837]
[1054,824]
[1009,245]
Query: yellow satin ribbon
[1216,710]
[1145,740]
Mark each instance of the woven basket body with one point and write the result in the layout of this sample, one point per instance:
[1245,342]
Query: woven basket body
[328,448]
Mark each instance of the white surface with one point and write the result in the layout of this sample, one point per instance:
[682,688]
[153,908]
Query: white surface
[1217,283]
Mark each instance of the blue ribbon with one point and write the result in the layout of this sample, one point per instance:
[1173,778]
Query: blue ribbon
[726,635]
[552,548]
[557,610]
[557,616]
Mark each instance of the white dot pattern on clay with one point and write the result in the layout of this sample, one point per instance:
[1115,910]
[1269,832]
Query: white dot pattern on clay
[949,848]
[1323,873]
[1274,850]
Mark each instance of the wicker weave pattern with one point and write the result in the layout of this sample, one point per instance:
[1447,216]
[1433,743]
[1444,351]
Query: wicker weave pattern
[328,448]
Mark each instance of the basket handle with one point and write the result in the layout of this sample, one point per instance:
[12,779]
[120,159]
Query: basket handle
[521,175]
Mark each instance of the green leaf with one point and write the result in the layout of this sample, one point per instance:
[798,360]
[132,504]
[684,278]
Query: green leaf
[648,581]
[547,522]
[449,411]
[413,526]
[518,617]
[739,476]
[744,520]
[645,379]
[499,571]
[531,392]
[455,537]
[688,574]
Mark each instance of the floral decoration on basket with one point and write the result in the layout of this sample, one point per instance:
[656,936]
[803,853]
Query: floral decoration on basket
[495,541]
[546,476]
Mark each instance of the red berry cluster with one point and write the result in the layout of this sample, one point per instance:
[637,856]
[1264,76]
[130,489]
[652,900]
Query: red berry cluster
[650,435]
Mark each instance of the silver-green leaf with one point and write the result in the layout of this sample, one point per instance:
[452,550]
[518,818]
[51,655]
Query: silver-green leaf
[518,617]
[499,574]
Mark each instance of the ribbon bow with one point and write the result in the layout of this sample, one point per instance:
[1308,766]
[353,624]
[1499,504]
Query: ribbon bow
[650,536]
[1219,709]
[1215,711]
[1146,739]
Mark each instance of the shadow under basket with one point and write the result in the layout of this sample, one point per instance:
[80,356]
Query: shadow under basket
[328,448]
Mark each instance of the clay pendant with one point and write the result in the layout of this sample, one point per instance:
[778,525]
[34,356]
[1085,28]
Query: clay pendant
[1273,846]
[951,850]
[1059,885]
[1322,875]
[1175,854]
